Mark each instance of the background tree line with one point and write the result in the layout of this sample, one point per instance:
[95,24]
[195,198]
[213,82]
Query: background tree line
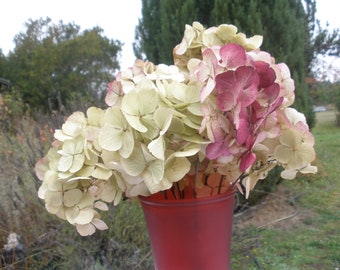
[54,64]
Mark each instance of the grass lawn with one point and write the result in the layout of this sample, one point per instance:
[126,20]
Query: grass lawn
[310,238]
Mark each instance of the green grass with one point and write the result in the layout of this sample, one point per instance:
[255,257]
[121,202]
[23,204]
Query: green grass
[313,243]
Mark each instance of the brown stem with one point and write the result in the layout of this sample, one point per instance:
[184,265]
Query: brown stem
[241,176]
[178,190]
[220,184]
[195,178]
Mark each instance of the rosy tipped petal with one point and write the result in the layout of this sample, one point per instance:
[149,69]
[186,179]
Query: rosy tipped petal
[228,90]
[207,89]
[242,131]
[233,55]
[247,160]
[215,150]
[249,81]
[266,73]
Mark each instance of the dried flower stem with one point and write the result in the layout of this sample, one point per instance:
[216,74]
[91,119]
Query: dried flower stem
[196,176]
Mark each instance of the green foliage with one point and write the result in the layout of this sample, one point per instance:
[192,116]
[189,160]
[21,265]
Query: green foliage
[57,58]
[11,108]
[2,63]
[336,90]
[324,93]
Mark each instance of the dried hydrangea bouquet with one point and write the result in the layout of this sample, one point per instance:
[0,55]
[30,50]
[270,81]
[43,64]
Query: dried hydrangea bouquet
[223,107]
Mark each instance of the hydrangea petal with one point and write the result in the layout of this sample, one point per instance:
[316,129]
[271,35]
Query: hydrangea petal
[72,197]
[85,229]
[99,224]
[85,216]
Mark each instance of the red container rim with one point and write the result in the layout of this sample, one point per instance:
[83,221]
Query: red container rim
[159,199]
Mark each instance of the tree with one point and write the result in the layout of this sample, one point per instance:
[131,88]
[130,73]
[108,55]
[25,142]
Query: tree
[147,32]
[2,63]
[51,60]
[162,25]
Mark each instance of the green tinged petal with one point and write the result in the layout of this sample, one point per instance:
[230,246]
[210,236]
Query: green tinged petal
[157,147]
[72,197]
[176,168]
[137,105]
[135,164]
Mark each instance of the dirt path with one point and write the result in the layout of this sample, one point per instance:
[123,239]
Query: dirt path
[277,210]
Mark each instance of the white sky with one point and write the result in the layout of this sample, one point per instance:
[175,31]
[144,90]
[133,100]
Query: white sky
[118,18]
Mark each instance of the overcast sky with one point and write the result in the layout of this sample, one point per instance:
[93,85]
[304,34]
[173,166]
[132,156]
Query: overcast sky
[118,18]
